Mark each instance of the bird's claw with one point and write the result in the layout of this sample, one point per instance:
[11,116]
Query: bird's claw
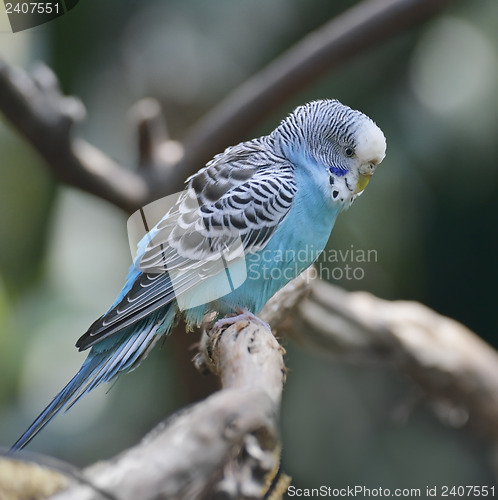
[242,314]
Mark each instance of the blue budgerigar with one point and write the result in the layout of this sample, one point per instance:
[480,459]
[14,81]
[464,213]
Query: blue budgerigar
[278,195]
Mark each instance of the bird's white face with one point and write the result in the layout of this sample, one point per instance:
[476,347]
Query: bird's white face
[361,155]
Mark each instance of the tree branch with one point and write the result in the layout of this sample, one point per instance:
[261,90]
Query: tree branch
[453,366]
[225,445]
[36,108]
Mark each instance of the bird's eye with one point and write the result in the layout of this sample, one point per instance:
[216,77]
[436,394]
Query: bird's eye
[349,152]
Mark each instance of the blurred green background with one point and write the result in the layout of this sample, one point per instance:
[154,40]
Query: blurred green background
[431,215]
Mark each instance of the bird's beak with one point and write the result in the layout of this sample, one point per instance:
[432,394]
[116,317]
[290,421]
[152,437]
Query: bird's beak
[365,174]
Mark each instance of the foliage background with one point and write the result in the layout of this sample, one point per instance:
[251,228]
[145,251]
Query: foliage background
[430,213]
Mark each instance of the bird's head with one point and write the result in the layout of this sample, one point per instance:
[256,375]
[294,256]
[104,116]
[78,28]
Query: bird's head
[340,146]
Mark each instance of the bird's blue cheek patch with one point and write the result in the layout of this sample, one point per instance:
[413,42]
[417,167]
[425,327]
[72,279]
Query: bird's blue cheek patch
[338,171]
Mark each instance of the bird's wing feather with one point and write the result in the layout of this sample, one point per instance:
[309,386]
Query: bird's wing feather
[230,208]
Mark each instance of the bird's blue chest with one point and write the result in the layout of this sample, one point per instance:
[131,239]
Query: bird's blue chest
[295,245]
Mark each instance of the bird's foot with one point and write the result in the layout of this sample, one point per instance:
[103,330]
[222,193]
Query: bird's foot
[242,314]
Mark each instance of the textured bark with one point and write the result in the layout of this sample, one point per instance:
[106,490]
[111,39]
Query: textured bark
[225,445]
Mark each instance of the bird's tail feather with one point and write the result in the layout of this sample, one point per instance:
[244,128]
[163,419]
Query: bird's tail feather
[104,362]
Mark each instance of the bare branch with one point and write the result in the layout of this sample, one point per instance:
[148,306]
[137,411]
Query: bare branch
[36,107]
[224,445]
[22,480]
[451,364]
[154,145]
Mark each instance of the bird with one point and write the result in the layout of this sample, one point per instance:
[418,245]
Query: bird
[248,222]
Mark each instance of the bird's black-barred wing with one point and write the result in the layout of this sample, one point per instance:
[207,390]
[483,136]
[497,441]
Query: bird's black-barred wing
[230,208]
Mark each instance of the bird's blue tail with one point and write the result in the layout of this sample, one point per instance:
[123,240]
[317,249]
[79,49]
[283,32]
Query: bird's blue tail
[116,354]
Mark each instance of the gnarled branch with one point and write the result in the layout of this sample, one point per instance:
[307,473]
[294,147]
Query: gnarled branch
[226,444]
[454,367]
[35,106]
